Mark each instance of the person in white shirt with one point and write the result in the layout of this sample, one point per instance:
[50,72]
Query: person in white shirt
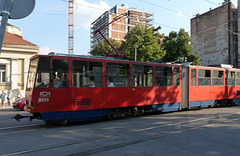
[19,95]
[110,82]
[91,84]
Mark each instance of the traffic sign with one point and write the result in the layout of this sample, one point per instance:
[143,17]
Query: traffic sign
[13,9]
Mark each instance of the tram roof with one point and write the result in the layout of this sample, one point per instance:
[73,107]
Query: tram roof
[103,58]
[118,59]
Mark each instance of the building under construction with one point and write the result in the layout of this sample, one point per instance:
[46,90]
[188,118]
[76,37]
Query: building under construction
[118,29]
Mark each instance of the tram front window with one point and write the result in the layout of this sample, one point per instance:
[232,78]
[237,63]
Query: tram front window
[43,73]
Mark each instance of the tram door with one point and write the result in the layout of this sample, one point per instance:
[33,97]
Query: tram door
[61,92]
[185,87]
[117,83]
[142,85]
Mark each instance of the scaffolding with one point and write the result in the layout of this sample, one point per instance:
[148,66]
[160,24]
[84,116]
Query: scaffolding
[120,28]
[98,23]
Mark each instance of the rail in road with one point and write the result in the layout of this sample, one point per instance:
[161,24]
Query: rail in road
[123,138]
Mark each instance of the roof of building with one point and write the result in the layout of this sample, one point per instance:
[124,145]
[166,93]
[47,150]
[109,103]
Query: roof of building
[15,40]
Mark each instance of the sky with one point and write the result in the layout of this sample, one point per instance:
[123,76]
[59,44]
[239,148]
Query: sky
[47,25]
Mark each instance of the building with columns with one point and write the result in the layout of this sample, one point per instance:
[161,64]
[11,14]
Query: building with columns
[14,60]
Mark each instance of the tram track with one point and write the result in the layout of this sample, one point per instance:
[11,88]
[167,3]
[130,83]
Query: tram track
[106,148]
[20,129]
[101,148]
[21,126]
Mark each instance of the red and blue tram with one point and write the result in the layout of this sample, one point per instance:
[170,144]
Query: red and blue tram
[76,88]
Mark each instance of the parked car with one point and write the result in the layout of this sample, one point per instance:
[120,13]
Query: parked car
[19,103]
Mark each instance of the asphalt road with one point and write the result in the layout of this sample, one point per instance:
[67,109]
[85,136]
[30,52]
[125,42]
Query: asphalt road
[214,131]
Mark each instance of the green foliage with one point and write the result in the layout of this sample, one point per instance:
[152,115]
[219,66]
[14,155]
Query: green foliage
[178,45]
[98,50]
[151,45]
[146,41]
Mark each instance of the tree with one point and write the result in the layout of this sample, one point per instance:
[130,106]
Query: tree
[98,50]
[146,43]
[177,45]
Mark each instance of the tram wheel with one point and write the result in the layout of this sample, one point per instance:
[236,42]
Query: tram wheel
[134,112]
[118,113]
[140,111]
[111,115]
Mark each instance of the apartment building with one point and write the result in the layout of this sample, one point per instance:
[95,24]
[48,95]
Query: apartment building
[118,29]
[214,35]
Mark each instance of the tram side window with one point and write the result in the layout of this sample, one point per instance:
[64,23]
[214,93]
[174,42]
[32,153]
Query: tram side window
[193,77]
[87,74]
[230,78]
[43,73]
[60,73]
[217,78]
[204,77]
[142,76]
[238,79]
[176,76]
[163,76]
[119,74]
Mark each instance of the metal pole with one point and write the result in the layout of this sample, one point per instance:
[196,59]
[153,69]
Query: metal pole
[108,42]
[135,51]
[229,34]
[5,15]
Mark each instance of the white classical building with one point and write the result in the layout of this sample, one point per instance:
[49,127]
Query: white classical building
[14,60]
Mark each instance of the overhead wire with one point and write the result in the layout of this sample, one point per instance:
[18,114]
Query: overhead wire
[56,14]
[166,25]
[105,10]
[138,0]
[156,5]
[85,5]
[62,14]
[211,2]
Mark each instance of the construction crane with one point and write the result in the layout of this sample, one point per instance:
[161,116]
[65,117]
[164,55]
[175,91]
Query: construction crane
[70,26]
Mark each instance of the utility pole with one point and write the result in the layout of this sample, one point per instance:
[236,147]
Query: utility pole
[5,13]
[136,46]
[70,26]
[135,52]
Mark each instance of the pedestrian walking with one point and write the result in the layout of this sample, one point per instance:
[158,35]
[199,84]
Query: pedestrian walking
[3,97]
[19,95]
[9,97]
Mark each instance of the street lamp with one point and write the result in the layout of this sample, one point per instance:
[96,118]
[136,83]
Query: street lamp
[136,50]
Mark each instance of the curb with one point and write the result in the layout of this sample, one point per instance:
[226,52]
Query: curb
[6,107]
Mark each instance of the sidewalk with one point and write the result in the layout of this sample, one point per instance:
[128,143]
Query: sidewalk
[6,107]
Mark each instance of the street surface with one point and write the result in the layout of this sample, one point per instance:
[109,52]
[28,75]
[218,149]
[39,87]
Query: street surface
[214,131]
